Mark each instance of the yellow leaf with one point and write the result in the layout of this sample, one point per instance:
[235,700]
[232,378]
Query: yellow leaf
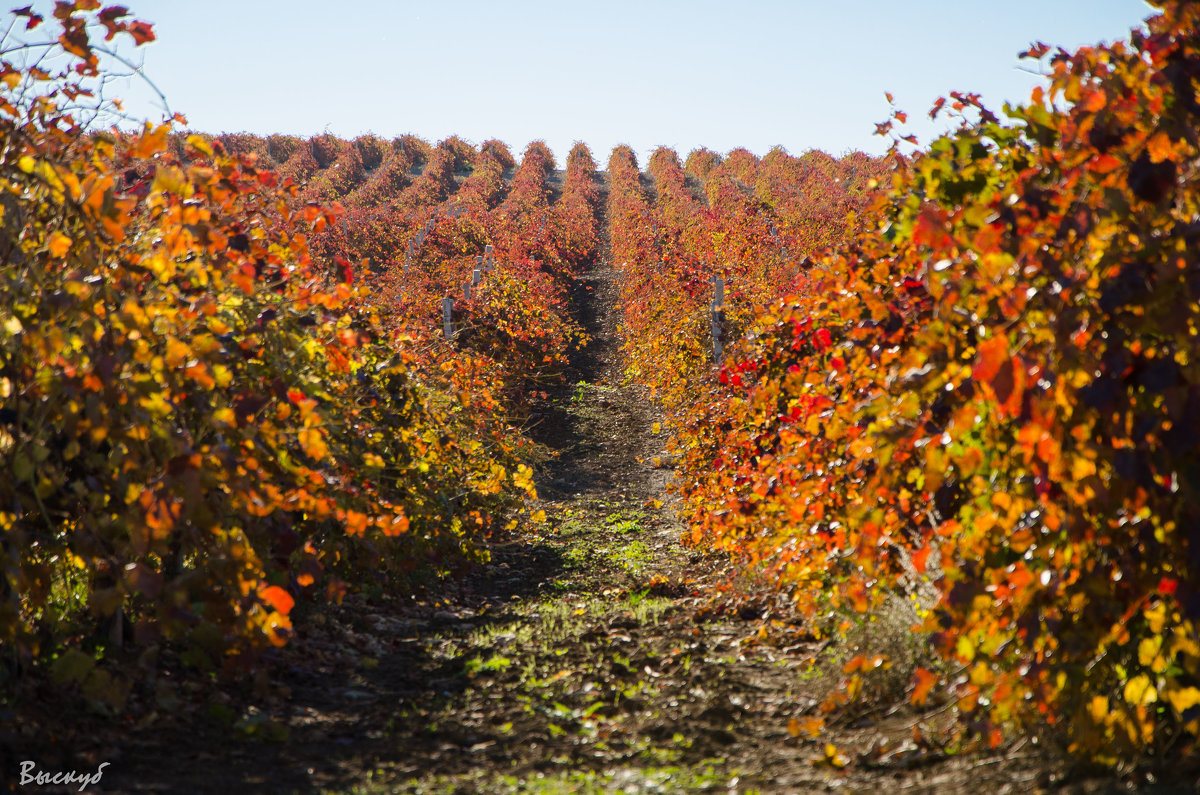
[1155,617]
[1183,699]
[1182,640]
[198,143]
[12,79]
[26,164]
[1098,708]
[832,756]
[1149,656]
[169,180]
[1140,691]
[1082,468]
[656,428]
[58,244]
[523,479]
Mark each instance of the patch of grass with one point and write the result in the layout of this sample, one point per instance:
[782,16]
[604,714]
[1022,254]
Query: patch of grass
[576,556]
[561,620]
[633,557]
[708,776]
[492,635]
[648,609]
[491,665]
[624,523]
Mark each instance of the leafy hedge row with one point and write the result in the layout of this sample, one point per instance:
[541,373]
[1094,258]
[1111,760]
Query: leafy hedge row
[208,406]
[995,389]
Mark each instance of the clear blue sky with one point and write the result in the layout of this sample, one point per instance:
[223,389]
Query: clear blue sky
[752,73]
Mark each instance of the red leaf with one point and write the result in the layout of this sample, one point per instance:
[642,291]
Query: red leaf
[33,19]
[142,32]
[113,13]
[74,39]
[1035,51]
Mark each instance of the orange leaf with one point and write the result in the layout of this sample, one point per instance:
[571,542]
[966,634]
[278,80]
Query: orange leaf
[929,231]
[1104,164]
[312,441]
[992,354]
[1095,101]
[58,244]
[356,523]
[398,525]
[1160,148]
[920,558]
[925,680]
[1009,385]
[277,598]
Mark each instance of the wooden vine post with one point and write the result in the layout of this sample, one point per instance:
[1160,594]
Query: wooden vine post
[447,317]
[718,319]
